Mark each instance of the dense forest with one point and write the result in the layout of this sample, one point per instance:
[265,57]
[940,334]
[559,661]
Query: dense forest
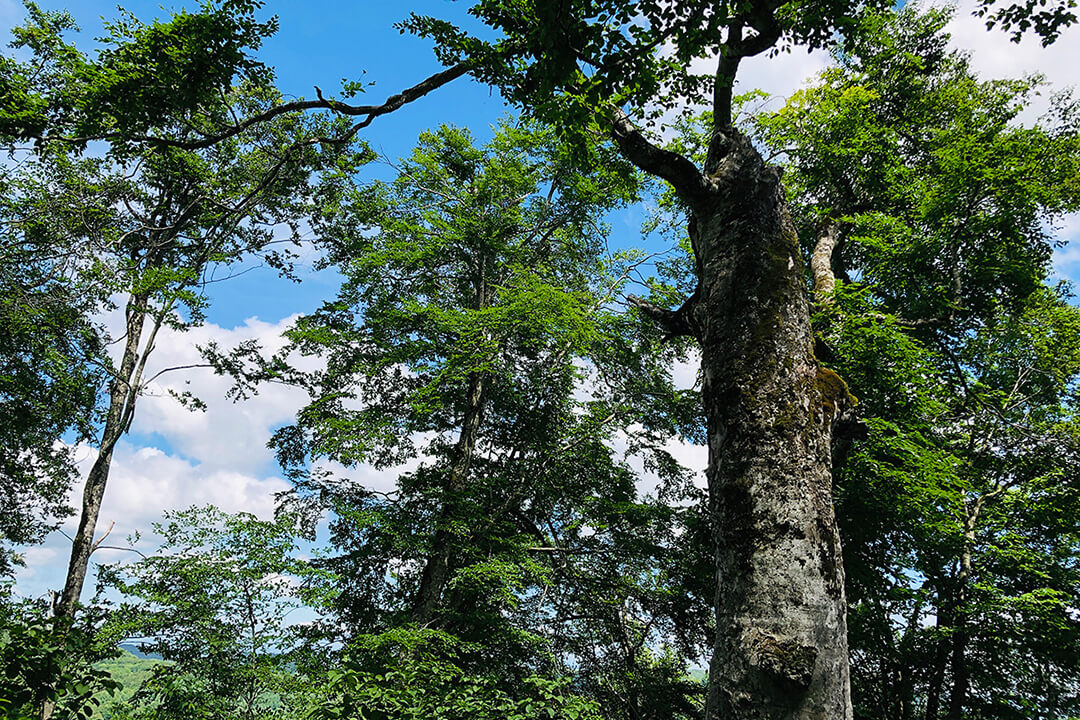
[887,370]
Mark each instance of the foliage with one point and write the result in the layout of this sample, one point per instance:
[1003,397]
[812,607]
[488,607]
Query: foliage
[146,223]
[41,661]
[129,671]
[212,603]
[412,674]
[476,349]
[476,303]
[50,366]
[162,75]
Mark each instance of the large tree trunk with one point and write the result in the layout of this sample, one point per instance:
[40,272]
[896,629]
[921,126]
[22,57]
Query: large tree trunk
[123,391]
[781,634]
[781,639]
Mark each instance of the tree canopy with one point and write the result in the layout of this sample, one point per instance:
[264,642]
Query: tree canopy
[487,513]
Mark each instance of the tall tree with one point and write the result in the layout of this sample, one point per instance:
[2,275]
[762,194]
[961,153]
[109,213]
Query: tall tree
[780,645]
[477,296]
[51,361]
[212,601]
[149,223]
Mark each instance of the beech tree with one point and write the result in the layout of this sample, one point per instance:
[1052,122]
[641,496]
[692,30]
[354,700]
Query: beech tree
[780,646]
[50,366]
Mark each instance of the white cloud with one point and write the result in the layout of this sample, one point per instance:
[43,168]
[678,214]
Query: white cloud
[684,373]
[994,55]
[36,557]
[144,482]
[227,435]
[1066,263]
[780,75]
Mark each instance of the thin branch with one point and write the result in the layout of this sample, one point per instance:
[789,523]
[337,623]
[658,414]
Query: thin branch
[96,545]
[159,373]
[369,112]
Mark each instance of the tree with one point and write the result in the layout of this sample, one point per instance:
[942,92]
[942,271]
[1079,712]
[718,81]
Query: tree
[50,366]
[149,222]
[780,638]
[212,601]
[43,664]
[780,646]
[937,202]
[476,297]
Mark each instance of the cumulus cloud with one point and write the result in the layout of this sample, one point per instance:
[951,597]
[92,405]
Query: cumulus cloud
[227,435]
[781,75]
[994,55]
[144,483]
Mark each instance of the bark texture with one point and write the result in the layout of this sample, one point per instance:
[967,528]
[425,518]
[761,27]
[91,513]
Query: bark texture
[781,634]
[122,394]
[821,265]
[781,638]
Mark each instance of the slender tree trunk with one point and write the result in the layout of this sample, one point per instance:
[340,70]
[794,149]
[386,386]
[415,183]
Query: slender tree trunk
[821,264]
[960,636]
[907,672]
[437,566]
[122,392]
[941,660]
[436,571]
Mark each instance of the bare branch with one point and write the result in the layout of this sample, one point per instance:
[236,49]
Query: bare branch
[368,112]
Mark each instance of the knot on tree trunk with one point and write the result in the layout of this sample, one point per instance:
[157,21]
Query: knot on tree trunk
[784,662]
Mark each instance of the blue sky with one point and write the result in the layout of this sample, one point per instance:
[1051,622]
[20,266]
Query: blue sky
[175,458]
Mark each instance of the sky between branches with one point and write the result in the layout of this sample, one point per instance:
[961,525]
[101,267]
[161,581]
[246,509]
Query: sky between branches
[174,458]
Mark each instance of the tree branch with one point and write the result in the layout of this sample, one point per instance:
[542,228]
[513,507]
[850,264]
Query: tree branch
[821,264]
[679,172]
[676,323]
[368,112]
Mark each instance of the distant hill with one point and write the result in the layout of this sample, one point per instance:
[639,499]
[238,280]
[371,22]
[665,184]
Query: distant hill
[130,670]
[133,649]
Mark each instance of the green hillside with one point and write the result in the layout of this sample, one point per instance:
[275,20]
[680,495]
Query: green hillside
[128,670]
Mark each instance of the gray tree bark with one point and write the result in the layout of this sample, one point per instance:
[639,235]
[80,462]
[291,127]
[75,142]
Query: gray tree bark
[122,394]
[780,648]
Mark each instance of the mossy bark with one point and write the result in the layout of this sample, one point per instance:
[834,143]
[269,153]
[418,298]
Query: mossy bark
[780,648]
[781,639]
